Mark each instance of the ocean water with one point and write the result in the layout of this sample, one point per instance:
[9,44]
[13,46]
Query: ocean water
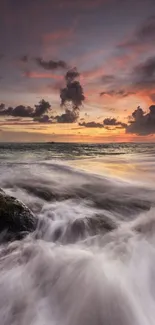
[91,260]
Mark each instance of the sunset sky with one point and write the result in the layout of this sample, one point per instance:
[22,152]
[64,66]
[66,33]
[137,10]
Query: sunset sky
[111,43]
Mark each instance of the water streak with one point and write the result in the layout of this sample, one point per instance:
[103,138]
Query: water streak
[92,258]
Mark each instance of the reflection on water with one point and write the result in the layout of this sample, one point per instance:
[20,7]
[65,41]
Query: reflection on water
[128,167]
[130,161]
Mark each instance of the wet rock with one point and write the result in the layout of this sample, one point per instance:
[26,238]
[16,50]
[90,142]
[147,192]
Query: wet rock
[81,228]
[16,220]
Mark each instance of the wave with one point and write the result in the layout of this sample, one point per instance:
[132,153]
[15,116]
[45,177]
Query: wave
[91,259]
[92,282]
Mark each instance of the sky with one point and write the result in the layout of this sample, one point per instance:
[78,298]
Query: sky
[77,70]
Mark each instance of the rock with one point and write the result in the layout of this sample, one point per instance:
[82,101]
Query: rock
[16,220]
[81,228]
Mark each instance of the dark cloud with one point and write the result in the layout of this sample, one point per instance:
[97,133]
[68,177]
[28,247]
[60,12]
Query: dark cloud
[113,122]
[72,97]
[51,65]
[119,93]
[142,123]
[73,92]
[92,124]
[1,56]
[144,34]
[70,116]
[108,123]
[2,107]
[18,111]
[43,119]
[42,108]
[71,75]
[22,111]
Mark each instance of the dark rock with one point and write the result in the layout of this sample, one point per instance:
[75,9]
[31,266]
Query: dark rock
[16,220]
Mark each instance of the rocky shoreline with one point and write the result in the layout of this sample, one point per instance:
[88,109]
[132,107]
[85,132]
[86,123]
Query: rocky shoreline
[16,220]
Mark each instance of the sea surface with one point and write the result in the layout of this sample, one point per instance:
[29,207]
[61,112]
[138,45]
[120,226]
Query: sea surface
[91,260]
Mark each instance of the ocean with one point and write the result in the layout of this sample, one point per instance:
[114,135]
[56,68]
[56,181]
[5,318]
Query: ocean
[91,260]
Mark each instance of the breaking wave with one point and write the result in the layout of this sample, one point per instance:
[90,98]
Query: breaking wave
[91,259]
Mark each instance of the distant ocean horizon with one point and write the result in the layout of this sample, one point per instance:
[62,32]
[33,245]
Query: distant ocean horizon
[80,142]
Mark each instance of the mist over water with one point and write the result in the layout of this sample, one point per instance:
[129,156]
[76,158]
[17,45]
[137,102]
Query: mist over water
[92,258]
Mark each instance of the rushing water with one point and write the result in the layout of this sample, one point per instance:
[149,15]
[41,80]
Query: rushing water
[91,260]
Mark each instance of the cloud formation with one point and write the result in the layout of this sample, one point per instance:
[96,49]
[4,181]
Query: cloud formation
[73,92]
[142,123]
[18,111]
[42,108]
[92,124]
[119,93]
[70,116]
[71,75]
[141,78]
[108,123]
[23,111]
[72,97]
[51,65]
[113,122]
[43,119]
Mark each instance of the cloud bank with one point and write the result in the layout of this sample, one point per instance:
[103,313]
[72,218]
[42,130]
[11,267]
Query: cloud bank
[23,111]
[142,123]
